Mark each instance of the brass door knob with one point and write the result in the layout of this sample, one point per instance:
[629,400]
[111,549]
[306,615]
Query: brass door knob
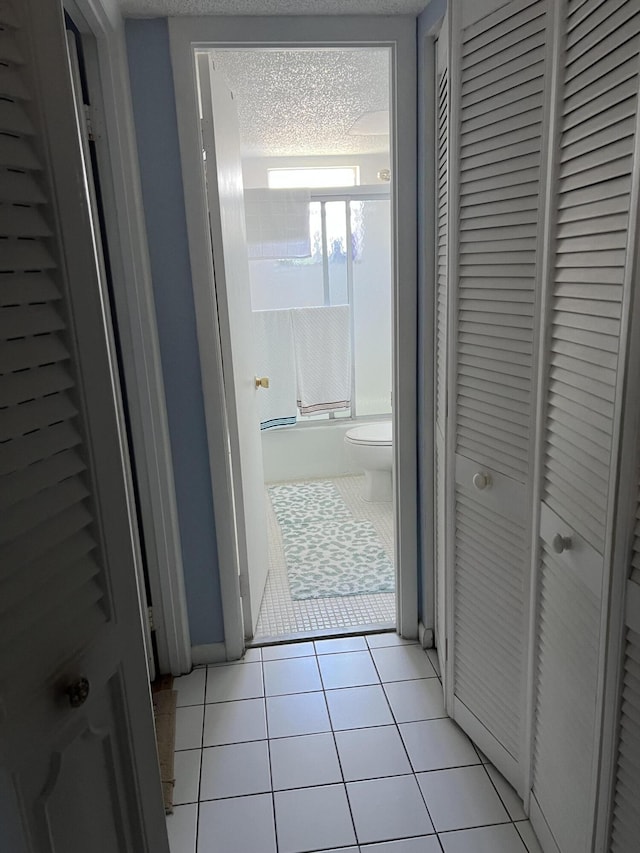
[78,692]
[262,381]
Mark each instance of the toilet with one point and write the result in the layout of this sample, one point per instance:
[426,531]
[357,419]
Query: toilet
[371,449]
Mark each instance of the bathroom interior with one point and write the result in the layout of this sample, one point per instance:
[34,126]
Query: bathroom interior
[315,149]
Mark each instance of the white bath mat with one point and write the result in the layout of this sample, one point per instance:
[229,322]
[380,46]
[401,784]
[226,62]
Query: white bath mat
[336,558]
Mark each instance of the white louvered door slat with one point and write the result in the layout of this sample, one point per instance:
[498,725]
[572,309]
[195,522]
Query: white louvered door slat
[625,824]
[590,249]
[502,78]
[441,332]
[68,590]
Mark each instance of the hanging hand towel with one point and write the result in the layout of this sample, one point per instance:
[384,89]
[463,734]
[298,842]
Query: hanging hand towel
[275,359]
[322,342]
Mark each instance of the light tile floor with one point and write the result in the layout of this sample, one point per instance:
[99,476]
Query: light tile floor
[339,745]
[281,616]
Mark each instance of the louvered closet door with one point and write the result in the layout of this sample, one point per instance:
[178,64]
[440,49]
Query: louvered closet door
[598,86]
[441,324]
[68,598]
[501,88]
[625,828]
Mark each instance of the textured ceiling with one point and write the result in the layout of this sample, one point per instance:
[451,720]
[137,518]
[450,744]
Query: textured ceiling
[152,8]
[302,102]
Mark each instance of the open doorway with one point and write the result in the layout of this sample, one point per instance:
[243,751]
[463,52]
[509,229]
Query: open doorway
[227,378]
[314,155]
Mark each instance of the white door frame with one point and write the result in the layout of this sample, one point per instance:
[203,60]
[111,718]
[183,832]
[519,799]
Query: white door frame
[399,33]
[113,126]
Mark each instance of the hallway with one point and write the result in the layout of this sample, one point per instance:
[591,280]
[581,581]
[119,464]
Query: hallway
[338,745]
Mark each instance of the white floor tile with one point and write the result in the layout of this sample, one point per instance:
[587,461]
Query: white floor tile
[371,753]
[181,829]
[303,762]
[437,744]
[190,688]
[341,644]
[234,722]
[232,682]
[487,839]
[351,669]
[509,797]
[389,638]
[424,844]
[189,727]
[301,714]
[187,775]
[297,675]
[421,699]
[233,771]
[386,809]
[312,819]
[252,656]
[528,836]
[358,707]
[341,850]
[288,650]
[400,663]
[241,825]
[461,798]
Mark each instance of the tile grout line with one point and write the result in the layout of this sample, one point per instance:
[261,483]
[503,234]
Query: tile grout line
[335,744]
[266,724]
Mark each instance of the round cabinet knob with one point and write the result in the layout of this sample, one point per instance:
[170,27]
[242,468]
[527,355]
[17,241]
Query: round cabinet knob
[262,381]
[481,480]
[78,692]
[561,543]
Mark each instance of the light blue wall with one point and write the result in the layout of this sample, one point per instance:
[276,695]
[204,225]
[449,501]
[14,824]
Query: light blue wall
[161,176]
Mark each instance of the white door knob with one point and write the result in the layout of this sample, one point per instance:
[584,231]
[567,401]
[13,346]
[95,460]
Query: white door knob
[481,480]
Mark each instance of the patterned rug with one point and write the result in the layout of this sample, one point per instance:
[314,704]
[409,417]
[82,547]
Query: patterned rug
[305,503]
[328,553]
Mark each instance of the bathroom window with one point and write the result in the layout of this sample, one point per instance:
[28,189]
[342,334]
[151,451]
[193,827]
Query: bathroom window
[313,178]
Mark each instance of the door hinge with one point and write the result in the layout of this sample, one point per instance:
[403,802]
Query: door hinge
[152,624]
[88,120]
[244,586]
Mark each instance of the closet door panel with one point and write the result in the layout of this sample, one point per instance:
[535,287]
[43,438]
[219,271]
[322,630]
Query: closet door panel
[441,331]
[625,823]
[590,251]
[502,79]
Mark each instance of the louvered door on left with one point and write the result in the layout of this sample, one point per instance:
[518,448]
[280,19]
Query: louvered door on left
[498,89]
[78,763]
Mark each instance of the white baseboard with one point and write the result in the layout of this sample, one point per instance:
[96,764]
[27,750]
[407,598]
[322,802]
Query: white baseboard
[425,636]
[209,653]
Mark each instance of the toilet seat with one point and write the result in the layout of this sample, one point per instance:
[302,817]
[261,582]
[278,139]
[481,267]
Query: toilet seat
[376,435]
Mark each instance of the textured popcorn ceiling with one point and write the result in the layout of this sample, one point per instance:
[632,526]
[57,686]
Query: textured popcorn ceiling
[303,102]
[272,7]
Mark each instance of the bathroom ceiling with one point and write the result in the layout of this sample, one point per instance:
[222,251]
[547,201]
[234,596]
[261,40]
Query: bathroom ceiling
[272,7]
[306,102]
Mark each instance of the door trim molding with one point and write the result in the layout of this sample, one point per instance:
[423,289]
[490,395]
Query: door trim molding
[107,67]
[398,33]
